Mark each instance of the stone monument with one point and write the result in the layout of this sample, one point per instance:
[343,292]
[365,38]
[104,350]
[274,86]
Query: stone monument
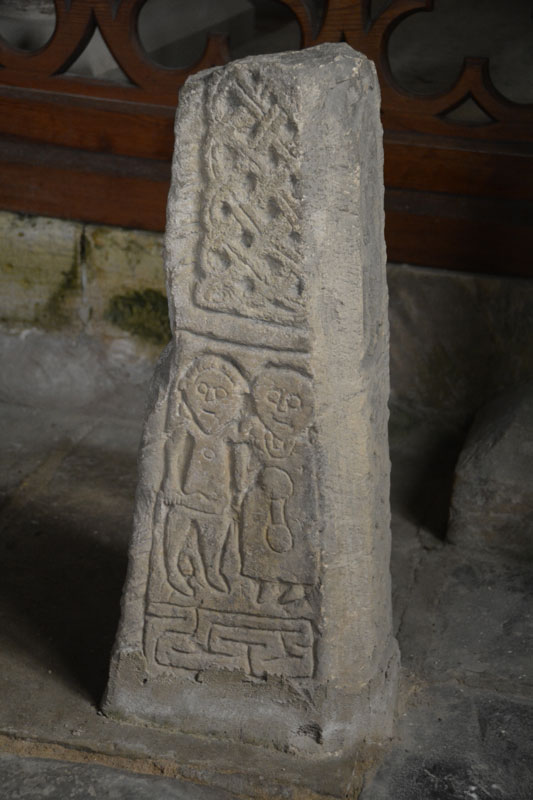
[257,604]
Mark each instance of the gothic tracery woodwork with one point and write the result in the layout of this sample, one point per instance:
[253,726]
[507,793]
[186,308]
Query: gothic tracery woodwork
[427,147]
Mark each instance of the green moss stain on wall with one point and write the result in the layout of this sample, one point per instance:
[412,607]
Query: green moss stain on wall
[141,313]
[39,271]
[64,276]
[60,307]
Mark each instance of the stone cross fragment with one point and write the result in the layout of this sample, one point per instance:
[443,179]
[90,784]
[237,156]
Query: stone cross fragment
[257,604]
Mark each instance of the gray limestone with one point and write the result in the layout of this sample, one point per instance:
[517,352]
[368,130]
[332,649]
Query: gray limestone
[492,501]
[257,603]
[46,779]
[457,340]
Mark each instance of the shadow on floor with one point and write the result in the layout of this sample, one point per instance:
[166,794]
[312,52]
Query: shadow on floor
[421,486]
[60,585]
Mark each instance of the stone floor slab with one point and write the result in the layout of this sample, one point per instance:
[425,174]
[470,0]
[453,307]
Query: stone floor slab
[456,745]
[45,779]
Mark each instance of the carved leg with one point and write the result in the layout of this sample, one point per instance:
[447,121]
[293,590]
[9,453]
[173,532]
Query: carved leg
[177,527]
[211,538]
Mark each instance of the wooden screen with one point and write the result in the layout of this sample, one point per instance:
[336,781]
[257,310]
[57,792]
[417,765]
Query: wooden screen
[458,195]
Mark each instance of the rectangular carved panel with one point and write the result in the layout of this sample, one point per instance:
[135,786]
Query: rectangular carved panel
[251,251]
[257,645]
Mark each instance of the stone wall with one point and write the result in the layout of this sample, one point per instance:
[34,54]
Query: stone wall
[457,339]
[83,311]
[62,275]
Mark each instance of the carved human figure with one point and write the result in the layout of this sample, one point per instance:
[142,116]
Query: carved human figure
[202,485]
[279,510]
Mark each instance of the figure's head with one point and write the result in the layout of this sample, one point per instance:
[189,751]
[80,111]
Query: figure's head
[284,401]
[213,391]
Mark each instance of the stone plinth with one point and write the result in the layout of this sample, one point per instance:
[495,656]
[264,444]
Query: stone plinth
[492,501]
[257,605]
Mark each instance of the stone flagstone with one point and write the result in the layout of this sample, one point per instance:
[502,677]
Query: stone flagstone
[257,605]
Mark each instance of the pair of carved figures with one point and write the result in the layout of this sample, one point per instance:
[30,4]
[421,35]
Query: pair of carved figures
[238,456]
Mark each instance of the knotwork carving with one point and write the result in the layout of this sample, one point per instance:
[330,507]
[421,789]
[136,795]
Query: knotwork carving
[258,646]
[250,257]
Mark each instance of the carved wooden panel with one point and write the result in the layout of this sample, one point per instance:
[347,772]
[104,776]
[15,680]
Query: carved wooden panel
[73,146]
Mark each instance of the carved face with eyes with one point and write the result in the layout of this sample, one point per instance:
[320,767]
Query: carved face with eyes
[284,401]
[213,392]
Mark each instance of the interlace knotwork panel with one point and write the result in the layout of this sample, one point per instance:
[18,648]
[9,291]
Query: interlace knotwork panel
[251,255]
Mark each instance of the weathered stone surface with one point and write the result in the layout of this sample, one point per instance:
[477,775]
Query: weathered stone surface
[492,502]
[54,370]
[453,745]
[457,339]
[257,606]
[125,283]
[39,271]
[44,778]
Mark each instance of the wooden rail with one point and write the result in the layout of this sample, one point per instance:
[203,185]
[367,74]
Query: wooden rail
[458,196]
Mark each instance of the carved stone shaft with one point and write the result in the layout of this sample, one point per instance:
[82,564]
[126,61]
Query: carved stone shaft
[257,605]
